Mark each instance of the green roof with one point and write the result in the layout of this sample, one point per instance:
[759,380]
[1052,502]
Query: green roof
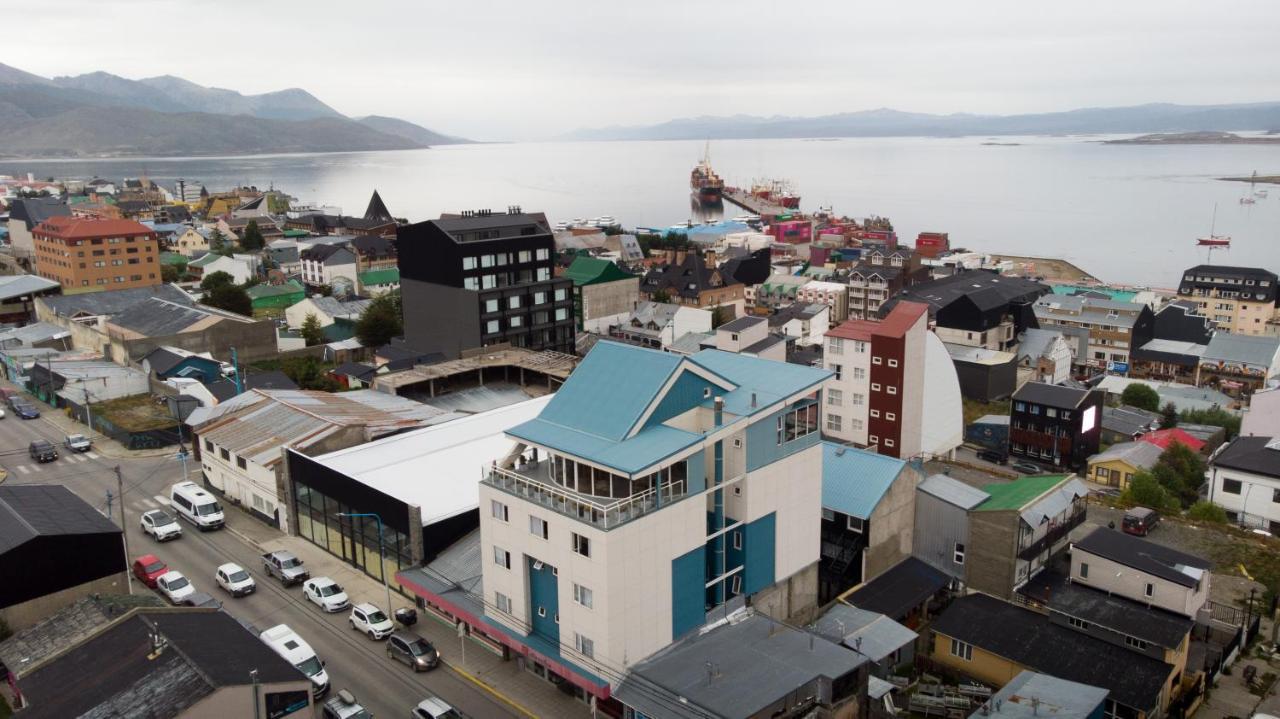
[1117,295]
[259,291]
[1016,494]
[592,271]
[296,233]
[205,259]
[389,276]
[172,258]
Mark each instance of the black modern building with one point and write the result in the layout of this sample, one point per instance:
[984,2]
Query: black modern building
[977,302]
[54,549]
[1055,425]
[483,278]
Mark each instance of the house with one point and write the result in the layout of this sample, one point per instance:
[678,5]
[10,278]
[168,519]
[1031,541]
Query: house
[1182,396]
[376,283]
[241,271]
[750,336]
[327,310]
[985,375]
[1029,693]
[691,280]
[25,214]
[884,643]
[779,290]
[374,253]
[77,382]
[288,294]
[90,255]
[992,641]
[323,264]
[895,388]
[806,324]
[17,297]
[1046,355]
[603,294]
[1018,530]
[868,503]
[660,324]
[133,333]
[978,309]
[160,662]
[587,485]
[941,526]
[164,363]
[240,444]
[192,242]
[835,295]
[1116,465]
[1244,479]
[54,549]
[1114,327]
[1243,298]
[1239,364]
[1143,571]
[1168,361]
[1055,424]
[1263,415]
[1125,423]
[284,255]
[1162,438]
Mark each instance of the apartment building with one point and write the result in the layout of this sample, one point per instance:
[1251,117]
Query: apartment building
[1115,328]
[88,255]
[1237,299]
[976,308]
[1055,425]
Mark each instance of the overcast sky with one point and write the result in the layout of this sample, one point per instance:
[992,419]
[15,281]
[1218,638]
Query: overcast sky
[525,70]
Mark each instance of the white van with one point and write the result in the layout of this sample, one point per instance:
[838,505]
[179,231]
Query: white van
[196,506]
[285,642]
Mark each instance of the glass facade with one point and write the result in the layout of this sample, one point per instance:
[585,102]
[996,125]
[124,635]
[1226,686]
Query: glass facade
[354,539]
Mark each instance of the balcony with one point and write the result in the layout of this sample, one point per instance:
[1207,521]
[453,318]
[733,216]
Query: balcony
[533,482]
[1054,535]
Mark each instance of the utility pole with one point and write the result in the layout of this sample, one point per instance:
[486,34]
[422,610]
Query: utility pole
[124,526]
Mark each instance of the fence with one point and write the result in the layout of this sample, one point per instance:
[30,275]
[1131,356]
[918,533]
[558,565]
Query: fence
[144,439]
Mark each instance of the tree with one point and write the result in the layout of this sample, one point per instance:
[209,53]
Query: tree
[1203,511]
[1180,470]
[251,239]
[719,315]
[1144,490]
[230,298]
[660,296]
[169,273]
[1169,416]
[217,279]
[217,241]
[380,321]
[1215,416]
[309,373]
[1140,396]
[311,330]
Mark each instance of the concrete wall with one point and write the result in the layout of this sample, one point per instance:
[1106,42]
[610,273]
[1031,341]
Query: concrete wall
[254,340]
[608,299]
[794,599]
[237,701]
[892,524]
[990,553]
[34,611]
[439,318]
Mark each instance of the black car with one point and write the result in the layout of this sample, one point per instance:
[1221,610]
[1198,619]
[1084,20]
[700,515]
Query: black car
[993,456]
[413,650]
[200,599]
[42,451]
[25,411]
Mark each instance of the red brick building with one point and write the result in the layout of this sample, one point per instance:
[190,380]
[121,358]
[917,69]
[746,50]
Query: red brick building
[86,254]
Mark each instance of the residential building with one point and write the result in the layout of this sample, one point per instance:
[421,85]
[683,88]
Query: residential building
[636,520]
[283,255]
[158,662]
[906,593]
[868,505]
[240,443]
[1054,424]
[886,644]
[1143,571]
[1031,692]
[376,283]
[276,297]
[985,375]
[779,290]
[1164,438]
[659,324]
[603,294]
[1263,416]
[941,524]
[165,363]
[488,277]
[55,549]
[187,191]
[374,253]
[750,336]
[78,383]
[192,242]
[1115,328]
[25,215]
[895,388]
[91,255]
[1239,364]
[1116,465]
[1244,479]
[978,309]
[1167,361]
[807,325]
[1125,423]
[325,264]
[1045,355]
[1240,300]
[835,295]
[327,310]
[241,270]
[687,278]
[1182,396]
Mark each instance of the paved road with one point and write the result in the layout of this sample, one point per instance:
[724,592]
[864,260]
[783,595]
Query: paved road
[354,662]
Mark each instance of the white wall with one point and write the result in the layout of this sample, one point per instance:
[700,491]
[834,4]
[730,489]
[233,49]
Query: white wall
[242,484]
[1128,582]
[848,385]
[1255,498]
[942,420]
[1262,418]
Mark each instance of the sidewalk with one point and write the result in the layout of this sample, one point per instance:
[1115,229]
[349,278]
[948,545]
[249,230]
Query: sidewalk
[102,444]
[519,689]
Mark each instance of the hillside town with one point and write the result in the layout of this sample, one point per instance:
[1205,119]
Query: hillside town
[783,465]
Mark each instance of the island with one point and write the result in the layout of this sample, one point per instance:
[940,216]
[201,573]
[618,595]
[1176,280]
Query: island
[1194,138]
[1266,179]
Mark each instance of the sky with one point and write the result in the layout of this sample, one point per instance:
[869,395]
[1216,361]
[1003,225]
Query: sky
[498,70]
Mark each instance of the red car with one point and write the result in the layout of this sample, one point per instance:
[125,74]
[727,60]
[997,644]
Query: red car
[147,568]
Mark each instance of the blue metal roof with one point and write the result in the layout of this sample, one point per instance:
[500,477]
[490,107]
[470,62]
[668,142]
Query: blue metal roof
[854,480]
[769,380]
[652,445]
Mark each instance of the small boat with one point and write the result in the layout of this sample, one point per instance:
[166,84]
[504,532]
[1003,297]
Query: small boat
[604,221]
[1260,193]
[1247,201]
[1214,241]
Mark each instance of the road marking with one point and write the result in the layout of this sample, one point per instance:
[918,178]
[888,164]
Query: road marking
[38,468]
[163,501]
[79,458]
[23,468]
[91,455]
[150,503]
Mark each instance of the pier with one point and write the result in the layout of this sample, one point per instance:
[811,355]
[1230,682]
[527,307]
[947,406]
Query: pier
[756,205]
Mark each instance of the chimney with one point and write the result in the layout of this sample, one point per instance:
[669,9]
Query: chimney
[753,400]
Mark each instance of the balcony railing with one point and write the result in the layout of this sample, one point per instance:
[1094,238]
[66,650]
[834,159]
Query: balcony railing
[605,514]
[1055,533]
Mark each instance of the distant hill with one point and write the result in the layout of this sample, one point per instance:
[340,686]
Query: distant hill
[100,114]
[884,122]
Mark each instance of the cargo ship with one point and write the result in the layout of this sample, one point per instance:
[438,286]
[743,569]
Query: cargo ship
[778,192]
[705,183]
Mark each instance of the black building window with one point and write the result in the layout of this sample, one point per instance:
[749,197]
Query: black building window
[355,539]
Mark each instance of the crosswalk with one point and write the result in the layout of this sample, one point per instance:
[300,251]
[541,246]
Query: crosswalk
[145,504]
[37,468]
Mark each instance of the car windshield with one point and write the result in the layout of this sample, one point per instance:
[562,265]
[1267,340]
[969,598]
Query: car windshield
[75,438]
[329,590]
[310,667]
[207,509]
[239,576]
[290,563]
[153,567]
[377,617]
[178,583]
[41,445]
[419,648]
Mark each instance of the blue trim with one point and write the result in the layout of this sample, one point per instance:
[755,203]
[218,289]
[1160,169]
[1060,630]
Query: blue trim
[544,594]
[688,592]
[760,547]
[686,393]
[762,439]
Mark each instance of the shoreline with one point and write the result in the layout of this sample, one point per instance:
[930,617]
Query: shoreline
[1264,179]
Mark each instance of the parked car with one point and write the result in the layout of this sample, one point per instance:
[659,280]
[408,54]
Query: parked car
[326,594]
[285,566]
[147,568]
[1140,521]
[434,708]
[993,456]
[234,579]
[174,586]
[1,412]
[78,443]
[1025,467]
[413,650]
[42,450]
[369,619]
[25,411]
[200,599]
[295,650]
[343,705]
[161,525]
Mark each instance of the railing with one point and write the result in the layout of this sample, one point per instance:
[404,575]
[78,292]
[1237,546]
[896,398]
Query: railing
[1051,537]
[605,515]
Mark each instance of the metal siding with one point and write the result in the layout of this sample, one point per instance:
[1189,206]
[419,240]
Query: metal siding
[696,475]
[685,394]
[544,593]
[762,442]
[938,527]
[688,592]
[760,549]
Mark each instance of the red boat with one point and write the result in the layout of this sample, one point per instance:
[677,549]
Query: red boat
[1214,241]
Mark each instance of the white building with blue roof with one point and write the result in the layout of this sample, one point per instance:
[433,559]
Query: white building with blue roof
[653,493]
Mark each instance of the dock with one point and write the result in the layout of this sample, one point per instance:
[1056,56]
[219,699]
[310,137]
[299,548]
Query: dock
[756,205]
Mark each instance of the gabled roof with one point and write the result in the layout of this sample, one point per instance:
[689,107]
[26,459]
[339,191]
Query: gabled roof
[12,286]
[1051,395]
[1119,614]
[855,480]
[953,491]
[28,511]
[156,318]
[896,592]
[1145,556]
[1031,695]
[34,210]
[76,228]
[261,291]
[328,254]
[593,271]
[1020,492]
[986,290]
[1253,350]
[871,634]
[1139,455]
[1162,438]
[1259,455]
[1128,420]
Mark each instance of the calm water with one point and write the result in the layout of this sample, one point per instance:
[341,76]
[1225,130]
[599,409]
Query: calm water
[1124,213]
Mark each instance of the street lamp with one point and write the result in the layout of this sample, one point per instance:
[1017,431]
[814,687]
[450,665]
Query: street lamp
[382,552]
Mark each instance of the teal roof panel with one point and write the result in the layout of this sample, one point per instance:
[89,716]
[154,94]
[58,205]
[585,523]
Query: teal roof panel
[630,456]
[855,480]
[610,390]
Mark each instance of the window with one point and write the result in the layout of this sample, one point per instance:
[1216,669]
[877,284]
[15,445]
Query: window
[582,595]
[890,416]
[735,584]
[544,254]
[561,313]
[488,282]
[501,557]
[876,360]
[492,327]
[503,602]
[961,650]
[835,346]
[1078,623]
[488,260]
[854,524]
[468,263]
[858,399]
[957,555]
[524,256]
[855,424]
[581,544]
[226,456]
[513,303]
[539,298]
[1231,486]
[208,446]
[1050,412]
[797,423]
[240,462]
[860,347]
[1135,642]
[517,321]
[737,539]
[833,423]
[891,389]
[560,295]
[835,397]
[491,305]
[838,370]
[859,372]
[1150,590]
[538,526]
[543,274]
[1275,495]
[585,647]
[888,442]
[893,363]
[828,515]
[1020,406]
[470,283]
[873,439]
[499,510]
[875,413]
[1084,570]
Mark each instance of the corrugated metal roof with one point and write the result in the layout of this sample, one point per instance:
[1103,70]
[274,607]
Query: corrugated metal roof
[854,480]
[1054,503]
[1140,455]
[17,285]
[953,491]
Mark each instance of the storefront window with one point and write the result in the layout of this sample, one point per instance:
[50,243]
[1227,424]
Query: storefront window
[354,539]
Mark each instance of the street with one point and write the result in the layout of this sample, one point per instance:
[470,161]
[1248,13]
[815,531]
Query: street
[354,662]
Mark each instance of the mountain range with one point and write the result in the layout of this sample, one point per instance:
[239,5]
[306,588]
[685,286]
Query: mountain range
[886,122]
[100,114]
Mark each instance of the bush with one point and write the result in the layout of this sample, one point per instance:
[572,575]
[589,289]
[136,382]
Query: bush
[1140,396]
[217,279]
[1207,512]
[1145,490]
[1215,416]
[231,299]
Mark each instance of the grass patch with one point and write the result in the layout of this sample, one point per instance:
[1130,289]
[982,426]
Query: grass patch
[5,711]
[138,413]
[974,409]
